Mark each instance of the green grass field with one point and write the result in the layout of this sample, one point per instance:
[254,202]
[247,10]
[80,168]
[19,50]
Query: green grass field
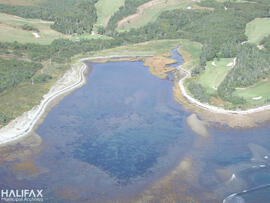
[106,8]
[190,52]
[11,30]
[147,48]
[211,78]
[261,89]
[156,47]
[151,13]
[257,29]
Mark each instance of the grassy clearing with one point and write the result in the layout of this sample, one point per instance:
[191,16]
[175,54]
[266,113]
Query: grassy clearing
[157,47]
[214,74]
[257,29]
[190,52]
[261,91]
[11,30]
[150,12]
[106,8]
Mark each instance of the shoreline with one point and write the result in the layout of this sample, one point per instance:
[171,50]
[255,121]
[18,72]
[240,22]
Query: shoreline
[211,108]
[24,124]
[72,79]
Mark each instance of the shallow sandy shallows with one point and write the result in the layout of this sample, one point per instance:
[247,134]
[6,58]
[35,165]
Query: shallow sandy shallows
[197,126]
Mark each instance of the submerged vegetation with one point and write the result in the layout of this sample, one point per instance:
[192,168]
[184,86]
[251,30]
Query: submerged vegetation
[212,34]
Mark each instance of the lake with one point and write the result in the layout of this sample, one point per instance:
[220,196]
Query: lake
[122,133]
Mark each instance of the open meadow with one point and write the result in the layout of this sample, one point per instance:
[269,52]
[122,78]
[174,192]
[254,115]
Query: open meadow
[150,11]
[257,29]
[105,9]
[256,94]
[11,30]
[214,74]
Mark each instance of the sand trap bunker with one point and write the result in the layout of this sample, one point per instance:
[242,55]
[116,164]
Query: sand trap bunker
[36,34]
[230,64]
[214,63]
[257,98]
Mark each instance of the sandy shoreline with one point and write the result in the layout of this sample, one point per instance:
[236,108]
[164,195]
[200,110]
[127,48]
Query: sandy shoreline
[72,79]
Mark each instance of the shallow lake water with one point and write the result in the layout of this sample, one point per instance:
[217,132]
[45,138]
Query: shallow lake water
[122,132]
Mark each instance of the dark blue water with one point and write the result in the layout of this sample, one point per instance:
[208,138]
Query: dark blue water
[120,133]
[175,55]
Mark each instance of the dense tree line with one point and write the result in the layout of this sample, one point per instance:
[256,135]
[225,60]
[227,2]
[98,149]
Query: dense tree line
[252,64]
[14,71]
[266,42]
[29,28]
[129,8]
[198,91]
[69,16]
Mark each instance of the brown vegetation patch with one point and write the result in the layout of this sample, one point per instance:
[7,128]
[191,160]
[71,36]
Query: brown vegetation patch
[29,146]
[216,101]
[157,66]
[27,166]
[68,193]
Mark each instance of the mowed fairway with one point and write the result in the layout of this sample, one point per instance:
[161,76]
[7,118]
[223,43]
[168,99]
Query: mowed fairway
[214,74]
[256,94]
[257,29]
[150,11]
[11,30]
[106,8]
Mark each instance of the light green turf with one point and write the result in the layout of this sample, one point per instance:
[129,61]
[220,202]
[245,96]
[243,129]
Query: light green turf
[261,89]
[151,13]
[257,29]
[211,78]
[156,47]
[106,8]
[11,30]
